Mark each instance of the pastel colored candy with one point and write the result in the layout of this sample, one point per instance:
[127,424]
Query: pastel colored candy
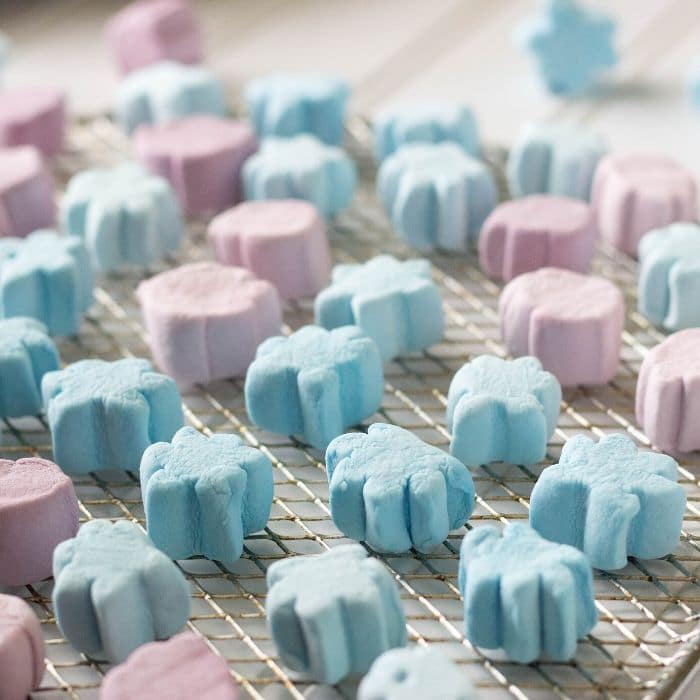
[288,104]
[201,157]
[393,491]
[526,234]
[415,672]
[26,354]
[21,649]
[436,195]
[333,614]
[424,122]
[570,322]
[524,594]
[124,215]
[502,411]
[668,392]
[283,241]
[205,320]
[182,668]
[301,167]
[148,31]
[634,194]
[610,500]
[103,415]
[47,277]
[314,383]
[26,192]
[38,509]
[204,495]
[33,117]
[114,591]
[669,276]
[396,303]
[558,159]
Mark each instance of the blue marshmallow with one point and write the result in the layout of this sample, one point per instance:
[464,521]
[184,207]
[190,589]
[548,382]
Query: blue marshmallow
[165,92]
[393,491]
[301,167]
[333,614]
[26,354]
[285,104]
[114,591]
[124,215]
[502,411]
[103,415]
[47,277]
[436,195]
[610,500]
[524,594]
[395,303]
[204,495]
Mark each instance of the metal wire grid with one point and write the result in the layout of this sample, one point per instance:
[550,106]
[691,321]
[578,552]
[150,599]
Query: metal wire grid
[648,630]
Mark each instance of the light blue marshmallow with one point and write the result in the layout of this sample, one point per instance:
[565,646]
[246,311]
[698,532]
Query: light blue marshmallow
[502,411]
[287,104]
[103,415]
[332,614]
[610,500]
[436,195]
[114,591]
[395,303]
[26,354]
[694,82]
[301,167]
[47,277]
[204,495]
[557,159]
[669,276]
[165,92]
[4,52]
[524,594]
[124,215]
[314,383]
[393,491]
[431,122]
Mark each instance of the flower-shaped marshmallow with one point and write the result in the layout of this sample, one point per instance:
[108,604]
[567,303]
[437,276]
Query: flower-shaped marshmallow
[394,491]
[502,411]
[436,195]
[610,500]
[315,383]
[524,594]
[203,495]
[124,215]
[333,614]
[114,591]
[395,303]
[103,415]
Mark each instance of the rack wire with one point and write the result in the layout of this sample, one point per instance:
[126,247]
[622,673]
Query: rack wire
[648,633]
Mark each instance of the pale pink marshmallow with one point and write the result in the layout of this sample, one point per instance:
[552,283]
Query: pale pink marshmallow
[33,117]
[201,156]
[526,234]
[633,194]
[282,240]
[206,320]
[668,393]
[571,322]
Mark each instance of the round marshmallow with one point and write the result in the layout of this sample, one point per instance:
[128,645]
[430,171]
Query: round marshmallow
[32,117]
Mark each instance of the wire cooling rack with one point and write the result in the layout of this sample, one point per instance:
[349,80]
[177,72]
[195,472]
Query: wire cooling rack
[648,633]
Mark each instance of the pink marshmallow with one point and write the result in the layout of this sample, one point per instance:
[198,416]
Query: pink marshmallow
[633,194]
[282,241]
[572,323]
[21,649]
[205,320]
[201,156]
[32,117]
[149,31]
[668,393]
[538,231]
